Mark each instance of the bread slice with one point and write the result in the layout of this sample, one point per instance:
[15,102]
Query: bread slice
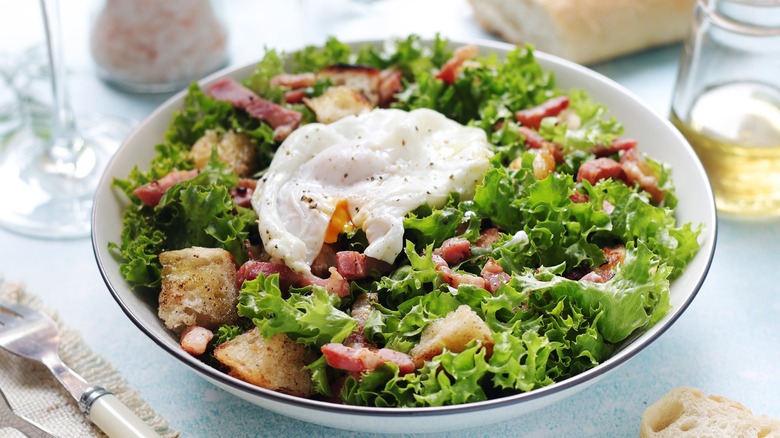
[586,31]
[688,412]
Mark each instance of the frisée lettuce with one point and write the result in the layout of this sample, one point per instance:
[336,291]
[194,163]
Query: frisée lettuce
[563,267]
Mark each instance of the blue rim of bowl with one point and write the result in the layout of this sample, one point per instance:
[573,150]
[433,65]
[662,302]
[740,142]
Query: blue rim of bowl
[627,351]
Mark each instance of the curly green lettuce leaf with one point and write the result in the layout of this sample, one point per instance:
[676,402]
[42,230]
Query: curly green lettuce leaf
[594,127]
[448,379]
[416,279]
[196,212]
[635,219]
[432,227]
[409,55]
[635,298]
[482,94]
[314,58]
[320,376]
[383,387]
[559,230]
[312,318]
[520,362]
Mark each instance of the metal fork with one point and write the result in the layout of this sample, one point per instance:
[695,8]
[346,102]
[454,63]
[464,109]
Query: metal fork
[32,335]
[9,418]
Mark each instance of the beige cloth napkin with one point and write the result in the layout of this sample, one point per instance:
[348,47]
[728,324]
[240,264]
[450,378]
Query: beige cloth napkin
[33,392]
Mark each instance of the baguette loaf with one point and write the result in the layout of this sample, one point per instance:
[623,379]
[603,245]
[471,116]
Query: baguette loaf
[687,412]
[586,31]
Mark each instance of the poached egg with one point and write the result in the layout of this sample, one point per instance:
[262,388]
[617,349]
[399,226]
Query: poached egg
[366,171]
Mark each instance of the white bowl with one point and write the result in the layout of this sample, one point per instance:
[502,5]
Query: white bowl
[696,205]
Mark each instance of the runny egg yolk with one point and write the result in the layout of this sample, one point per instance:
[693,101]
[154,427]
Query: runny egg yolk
[340,222]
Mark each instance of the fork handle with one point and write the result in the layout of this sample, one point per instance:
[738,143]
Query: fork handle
[111,416]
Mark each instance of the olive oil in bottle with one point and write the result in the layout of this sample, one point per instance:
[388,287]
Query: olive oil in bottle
[735,130]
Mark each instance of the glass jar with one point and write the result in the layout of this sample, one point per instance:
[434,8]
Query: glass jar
[154,46]
[727,101]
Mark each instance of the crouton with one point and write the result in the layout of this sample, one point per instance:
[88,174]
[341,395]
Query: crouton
[336,103]
[234,149]
[452,332]
[198,288]
[277,363]
[363,79]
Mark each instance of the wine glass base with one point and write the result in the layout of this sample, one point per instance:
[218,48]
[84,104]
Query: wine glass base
[46,199]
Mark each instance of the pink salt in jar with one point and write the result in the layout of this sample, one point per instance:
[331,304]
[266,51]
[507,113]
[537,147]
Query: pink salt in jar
[153,46]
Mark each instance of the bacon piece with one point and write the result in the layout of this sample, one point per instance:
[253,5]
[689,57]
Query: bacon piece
[535,141]
[195,339]
[494,276]
[532,138]
[614,257]
[337,284]
[389,85]
[324,261]
[310,280]
[454,250]
[300,80]
[599,168]
[252,268]
[638,171]
[351,265]
[377,265]
[283,120]
[532,117]
[360,360]
[617,145]
[151,192]
[455,279]
[242,194]
[451,68]
[439,261]
[579,198]
[487,238]
[295,96]
[360,311]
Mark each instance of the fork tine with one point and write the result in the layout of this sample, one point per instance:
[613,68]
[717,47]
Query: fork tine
[18,309]
[8,315]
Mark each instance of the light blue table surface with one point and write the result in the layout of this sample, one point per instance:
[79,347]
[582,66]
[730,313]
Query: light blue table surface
[727,342]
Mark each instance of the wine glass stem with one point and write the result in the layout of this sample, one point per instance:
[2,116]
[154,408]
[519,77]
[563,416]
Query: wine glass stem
[64,145]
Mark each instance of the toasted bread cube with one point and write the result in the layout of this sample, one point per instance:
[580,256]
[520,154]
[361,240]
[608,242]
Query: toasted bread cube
[198,288]
[234,149]
[336,103]
[363,79]
[278,363]
[452,332]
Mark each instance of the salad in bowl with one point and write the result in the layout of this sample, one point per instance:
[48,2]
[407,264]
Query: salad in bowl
[401,225]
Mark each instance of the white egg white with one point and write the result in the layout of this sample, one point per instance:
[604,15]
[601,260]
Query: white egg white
[383,163]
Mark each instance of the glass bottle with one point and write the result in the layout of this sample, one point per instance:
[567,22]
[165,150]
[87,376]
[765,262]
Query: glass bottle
[727,101]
